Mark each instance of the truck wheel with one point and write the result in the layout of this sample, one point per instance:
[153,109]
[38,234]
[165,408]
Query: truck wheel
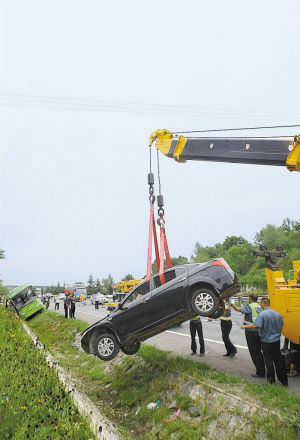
[204,301]
[132,348]
[107,347]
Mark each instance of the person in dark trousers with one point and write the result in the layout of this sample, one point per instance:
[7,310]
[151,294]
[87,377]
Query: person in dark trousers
[250,312]
[67,304]
[196,326]
[270,323]
[72,306]
[97,300]
[56,302]
[226,326]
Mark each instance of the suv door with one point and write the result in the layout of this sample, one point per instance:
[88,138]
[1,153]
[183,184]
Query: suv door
[168,300]
[134,315]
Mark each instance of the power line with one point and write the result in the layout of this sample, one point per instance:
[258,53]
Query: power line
[71,103]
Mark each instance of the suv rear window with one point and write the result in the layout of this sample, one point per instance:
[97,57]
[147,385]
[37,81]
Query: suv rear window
[170,275]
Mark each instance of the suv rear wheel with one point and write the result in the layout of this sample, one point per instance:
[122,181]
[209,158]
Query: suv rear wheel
[204,301]
[107,346]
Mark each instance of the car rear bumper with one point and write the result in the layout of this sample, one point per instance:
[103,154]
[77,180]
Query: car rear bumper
[234,288]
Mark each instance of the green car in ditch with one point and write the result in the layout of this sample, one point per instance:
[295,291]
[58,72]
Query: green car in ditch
[25,301]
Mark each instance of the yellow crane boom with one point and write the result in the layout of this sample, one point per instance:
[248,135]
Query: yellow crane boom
[276,151]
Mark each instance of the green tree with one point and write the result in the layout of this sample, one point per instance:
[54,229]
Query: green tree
[90,286]
[200,254]
[288,225]
[128,277]
[175,261]
[98,286]
[240,258]
[271,236]
[233,240]
[107,285]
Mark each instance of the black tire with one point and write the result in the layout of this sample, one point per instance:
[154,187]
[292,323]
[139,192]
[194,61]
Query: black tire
[204,301]
[107,346]
[132,348]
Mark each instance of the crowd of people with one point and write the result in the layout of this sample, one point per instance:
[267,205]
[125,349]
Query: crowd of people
[262,327]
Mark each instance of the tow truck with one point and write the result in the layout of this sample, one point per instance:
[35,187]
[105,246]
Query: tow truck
[124,287]
[276,151]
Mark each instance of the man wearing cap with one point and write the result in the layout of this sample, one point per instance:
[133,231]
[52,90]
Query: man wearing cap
[269,322]
[196,326]
[250,312]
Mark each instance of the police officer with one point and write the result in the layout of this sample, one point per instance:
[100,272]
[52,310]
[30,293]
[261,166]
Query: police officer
[226,326]
[270,323]
[196,326]
[250,312]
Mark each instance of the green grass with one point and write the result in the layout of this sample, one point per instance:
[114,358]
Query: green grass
[155,374]
[33,404]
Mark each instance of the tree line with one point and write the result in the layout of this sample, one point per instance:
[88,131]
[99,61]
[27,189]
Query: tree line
[236,250]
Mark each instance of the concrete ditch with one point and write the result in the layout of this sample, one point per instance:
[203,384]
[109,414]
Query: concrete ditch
[102,428]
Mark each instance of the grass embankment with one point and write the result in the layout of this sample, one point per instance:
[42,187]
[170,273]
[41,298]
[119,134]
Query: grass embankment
[33,404]
[123,388]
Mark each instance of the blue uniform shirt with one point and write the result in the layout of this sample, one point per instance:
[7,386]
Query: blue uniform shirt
[270,324]
[247,311]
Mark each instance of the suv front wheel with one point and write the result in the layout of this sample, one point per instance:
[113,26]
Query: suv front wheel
[204,301]
[107,346]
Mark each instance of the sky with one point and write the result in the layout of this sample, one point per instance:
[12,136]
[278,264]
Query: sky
[83,84]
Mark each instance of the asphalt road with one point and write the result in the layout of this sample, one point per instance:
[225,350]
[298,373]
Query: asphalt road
[177,340]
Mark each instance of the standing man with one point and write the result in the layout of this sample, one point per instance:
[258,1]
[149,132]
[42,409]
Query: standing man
[72,306]
[196,326]
[97,300]
[43,298]
[250,312]
[82,298]
[226,326]
[56,302]
[270,323]
[67,304]
[47,301]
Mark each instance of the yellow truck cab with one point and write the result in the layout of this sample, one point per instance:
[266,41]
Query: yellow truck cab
[284,294]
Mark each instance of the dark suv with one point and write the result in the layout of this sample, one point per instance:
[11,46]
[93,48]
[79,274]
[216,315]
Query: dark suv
[150,308]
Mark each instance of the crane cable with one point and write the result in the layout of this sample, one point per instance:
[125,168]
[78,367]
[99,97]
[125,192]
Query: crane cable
[236,129]
[152,228]
[164,249]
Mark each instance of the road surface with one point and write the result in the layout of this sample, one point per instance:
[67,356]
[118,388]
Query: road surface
[178,341]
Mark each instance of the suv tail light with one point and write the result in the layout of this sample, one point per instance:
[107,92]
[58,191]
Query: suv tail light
[220,262]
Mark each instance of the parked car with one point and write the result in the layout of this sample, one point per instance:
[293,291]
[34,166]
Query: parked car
[61,296]
[151,308]
[103,299]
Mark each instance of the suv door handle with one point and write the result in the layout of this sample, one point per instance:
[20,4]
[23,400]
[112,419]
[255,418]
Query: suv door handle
[181,279]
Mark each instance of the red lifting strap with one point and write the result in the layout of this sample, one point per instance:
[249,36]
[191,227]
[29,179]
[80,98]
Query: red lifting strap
[149,258]
[156,245]
[169,265]
[164,250]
